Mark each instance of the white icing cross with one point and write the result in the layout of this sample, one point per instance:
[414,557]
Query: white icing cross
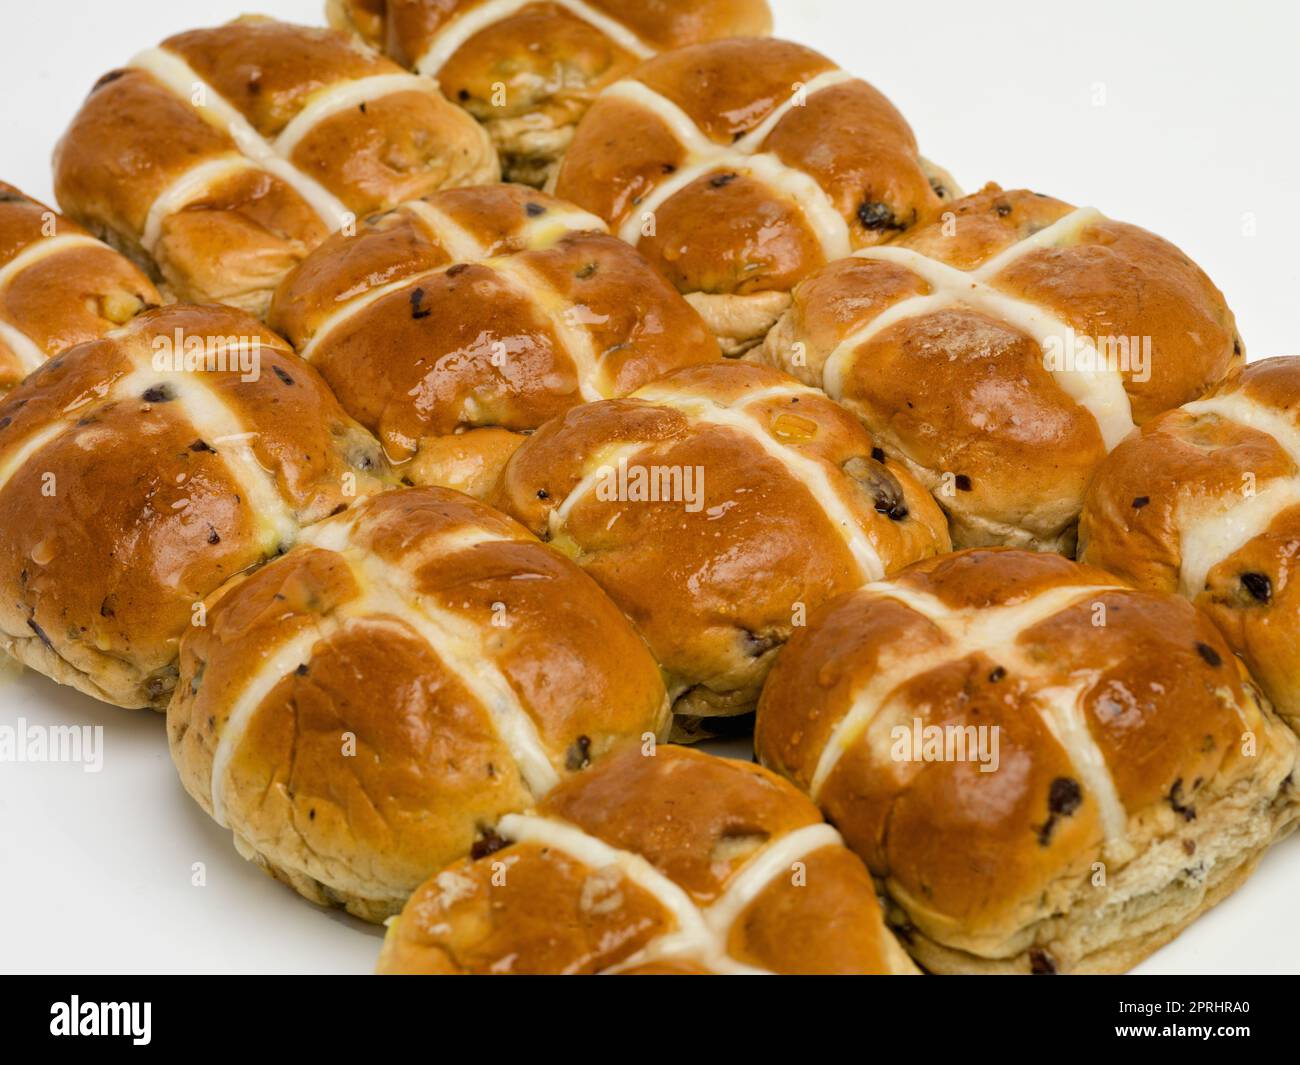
[807,471]
[704,156]
[1212,530]
[29,353]
[701,934]
[993,631]
[1094,385]
[470,21]
[176,75]
[389,597]
[575,339]
[213,421]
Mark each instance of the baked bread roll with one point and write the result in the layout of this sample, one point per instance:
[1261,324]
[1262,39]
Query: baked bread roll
[453,324]
[655,861]
[362,710]
[1046,770]
[1003,350]
[220,158]
[528,70]
[59,286]
[1205,502]
[140,471]
[718,506]
[738,167]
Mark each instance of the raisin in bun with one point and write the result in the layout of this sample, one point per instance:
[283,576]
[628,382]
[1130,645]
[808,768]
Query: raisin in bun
[454,324]
[59,286]
[1205,502]
[658,860]
[717,506]
[1045,770]
[359,711]
[529,69]
[131,486]
[968,348]
[738,167]
[220,158]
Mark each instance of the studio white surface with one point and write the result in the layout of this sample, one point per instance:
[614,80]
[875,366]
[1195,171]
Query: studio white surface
[1180,117]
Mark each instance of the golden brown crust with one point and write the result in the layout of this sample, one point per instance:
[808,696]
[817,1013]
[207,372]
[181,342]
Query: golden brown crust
[58,286]
[773,499]
[741,166]
[476,311]
[975,386]
[221,188]
[1205,501]
[1127,766]
[530,71]
[704,824]
[361,710]
[130,489]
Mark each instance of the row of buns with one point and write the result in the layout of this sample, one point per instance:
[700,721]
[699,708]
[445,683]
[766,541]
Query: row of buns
[431,508]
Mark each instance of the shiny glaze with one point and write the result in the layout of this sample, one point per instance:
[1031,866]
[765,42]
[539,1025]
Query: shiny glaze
[146,518]
[525,48]
[68,297]
[975,858]
[464,346]
[1137,510]
[112,163]
[715,591]
[963,393]
[432,771]
[865,155]
[696,819]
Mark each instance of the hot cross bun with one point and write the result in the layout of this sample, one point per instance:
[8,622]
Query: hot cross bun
[363,709]
[1002,350]
[220,158]
[1205,502]
[529,69]
[140,471]
[718,506]
[738,167]
[59,286]
[1045,769]
[454,324]
[659,860]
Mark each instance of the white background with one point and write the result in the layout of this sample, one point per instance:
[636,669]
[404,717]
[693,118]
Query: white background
[1183,117]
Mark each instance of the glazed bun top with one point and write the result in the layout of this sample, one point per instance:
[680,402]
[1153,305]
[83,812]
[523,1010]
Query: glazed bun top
[433,35]
[472,668]
[224,155]
[528,70]
[739,166]
[1005,348]
[1109,717]
[463,42]
[717,506]
[1205,502]
[140,471]
[489,308]
[59,286]
[658,860]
